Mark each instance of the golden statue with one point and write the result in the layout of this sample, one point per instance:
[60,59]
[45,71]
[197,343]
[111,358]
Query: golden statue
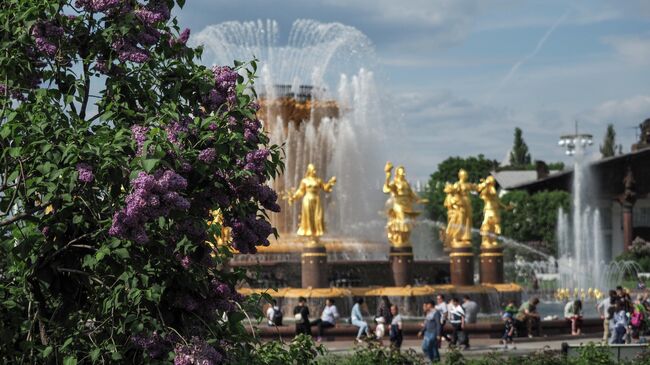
[458,203]
[401,212]
[312,223]
[491,226]
[452,204]
[225,237]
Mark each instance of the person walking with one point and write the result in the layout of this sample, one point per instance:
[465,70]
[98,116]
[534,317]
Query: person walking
[508,331]
[274,314]
[357,320]
[471,313]
[301,314]
[327,319]
[603,310]
[383,317]
[620,323]
[442,307]
[431,331]
[395,333]
[457,320]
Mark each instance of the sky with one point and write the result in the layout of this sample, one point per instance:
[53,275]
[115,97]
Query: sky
[459,75]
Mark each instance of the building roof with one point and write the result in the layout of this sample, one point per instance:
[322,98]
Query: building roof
[608,173]
[510,178]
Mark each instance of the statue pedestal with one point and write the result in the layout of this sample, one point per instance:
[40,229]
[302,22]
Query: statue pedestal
[461,265]
[491,265]
[315,271]
[401,261]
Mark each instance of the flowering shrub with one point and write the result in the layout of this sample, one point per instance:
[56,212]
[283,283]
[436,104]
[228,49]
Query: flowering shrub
[115,147]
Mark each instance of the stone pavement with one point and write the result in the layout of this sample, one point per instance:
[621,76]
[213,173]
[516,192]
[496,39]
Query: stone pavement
[482,346]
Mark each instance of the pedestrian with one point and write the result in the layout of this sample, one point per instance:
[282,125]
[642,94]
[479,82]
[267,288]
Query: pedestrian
[508,331]
[573,315]
[603,311]
[274,314]
[638,318]
[431,331]
[620,323]
[396,326]
[511,308]
[327,319]
[528,316]
[456,317]
[471,313]
[441,306]
[357,320]
[301,315]
[383,317]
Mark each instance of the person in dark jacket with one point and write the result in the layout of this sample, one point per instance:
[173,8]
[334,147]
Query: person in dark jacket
[431,331]
[301,314]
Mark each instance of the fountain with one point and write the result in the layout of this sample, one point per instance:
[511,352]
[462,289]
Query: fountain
[339,130]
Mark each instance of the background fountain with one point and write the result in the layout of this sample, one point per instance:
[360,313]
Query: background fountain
[339,129]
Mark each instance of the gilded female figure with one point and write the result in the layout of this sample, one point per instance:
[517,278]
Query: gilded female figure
[464,211]
[491,226]
[401,211]
[312,223]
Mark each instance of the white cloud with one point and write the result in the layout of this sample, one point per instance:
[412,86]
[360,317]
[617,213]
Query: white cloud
[632,48]
[631,110]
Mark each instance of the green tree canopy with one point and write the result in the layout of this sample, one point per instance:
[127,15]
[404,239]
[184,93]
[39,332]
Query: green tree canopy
[609,147]
[477,167]
[519,155]
[534,217]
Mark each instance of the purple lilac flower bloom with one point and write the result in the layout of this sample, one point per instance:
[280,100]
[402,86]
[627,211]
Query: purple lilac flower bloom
[45,35]
[155,345]
[225,81]
[152,196]
[250,231]
[207,155]
[148,37]
[97,5]
[175,128]
[255,160]
[155,11]
[196,352]
[182,38]
[85,172]
[139,134]
[127,51]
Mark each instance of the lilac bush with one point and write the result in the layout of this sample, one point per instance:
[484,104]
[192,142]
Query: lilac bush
[105,251]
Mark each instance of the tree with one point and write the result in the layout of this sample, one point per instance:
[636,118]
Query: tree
[477,168]
[534,217]
[519,155]
[116,145]
[609,147]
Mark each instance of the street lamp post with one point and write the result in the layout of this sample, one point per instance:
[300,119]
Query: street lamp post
[576,141]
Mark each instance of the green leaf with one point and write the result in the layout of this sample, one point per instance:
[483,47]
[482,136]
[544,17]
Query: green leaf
[150,164]
[48,350]
[122,253]
[70,360]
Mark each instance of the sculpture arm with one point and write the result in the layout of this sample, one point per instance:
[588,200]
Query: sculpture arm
[298,193]
[327,187]
[388,187]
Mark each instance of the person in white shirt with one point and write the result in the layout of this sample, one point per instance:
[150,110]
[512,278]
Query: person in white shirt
[603,310]
[441,306]
[457,320]
[327,318]
[273,319]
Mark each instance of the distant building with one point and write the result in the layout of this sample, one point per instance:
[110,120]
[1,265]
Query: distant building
[623,187]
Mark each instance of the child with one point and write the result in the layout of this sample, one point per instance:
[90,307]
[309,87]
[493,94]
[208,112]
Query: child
[508,331]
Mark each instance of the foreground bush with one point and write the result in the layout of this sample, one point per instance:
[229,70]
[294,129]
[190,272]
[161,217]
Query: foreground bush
[115,147]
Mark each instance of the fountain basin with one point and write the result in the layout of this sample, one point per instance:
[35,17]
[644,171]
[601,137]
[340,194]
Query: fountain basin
[490,297]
